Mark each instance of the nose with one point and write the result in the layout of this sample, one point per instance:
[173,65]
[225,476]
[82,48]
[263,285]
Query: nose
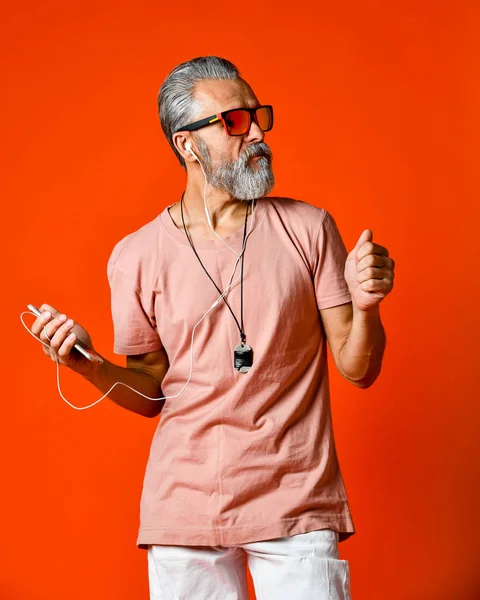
[255,134]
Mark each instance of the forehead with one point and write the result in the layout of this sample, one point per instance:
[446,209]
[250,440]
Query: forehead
[213,96]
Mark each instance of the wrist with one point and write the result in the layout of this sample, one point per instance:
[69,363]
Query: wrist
[368,313]
[89,369]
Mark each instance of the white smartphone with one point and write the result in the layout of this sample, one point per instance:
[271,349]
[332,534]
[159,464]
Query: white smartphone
[90,354]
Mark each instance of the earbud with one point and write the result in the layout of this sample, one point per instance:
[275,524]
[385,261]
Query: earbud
[189,148]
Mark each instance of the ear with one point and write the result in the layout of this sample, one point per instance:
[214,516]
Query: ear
[180,140]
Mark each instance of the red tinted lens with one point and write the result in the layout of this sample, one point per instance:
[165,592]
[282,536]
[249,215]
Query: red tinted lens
[237,122]
[265,118]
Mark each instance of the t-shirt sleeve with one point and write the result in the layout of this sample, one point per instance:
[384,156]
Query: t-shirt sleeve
[132,307]
[330,255]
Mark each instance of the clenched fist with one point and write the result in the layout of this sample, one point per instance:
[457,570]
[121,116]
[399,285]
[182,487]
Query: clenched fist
[369,272]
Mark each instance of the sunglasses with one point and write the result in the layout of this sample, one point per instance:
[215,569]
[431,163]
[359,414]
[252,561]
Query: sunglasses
[237,121]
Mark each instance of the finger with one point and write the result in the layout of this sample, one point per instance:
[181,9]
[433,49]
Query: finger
[52,309]
[373,273]
[371,248]
[46,341]
[53,355]
[48,331]
[39,322]
[52,327]
[67,345]
[375,285]
[60,335]
[372,260]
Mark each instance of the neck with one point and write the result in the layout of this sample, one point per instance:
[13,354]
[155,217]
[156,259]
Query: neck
[223,208]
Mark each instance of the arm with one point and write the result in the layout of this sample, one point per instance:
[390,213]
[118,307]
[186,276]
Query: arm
[144,372]
[354,329]
[135,331]
[369,273]
[357,341]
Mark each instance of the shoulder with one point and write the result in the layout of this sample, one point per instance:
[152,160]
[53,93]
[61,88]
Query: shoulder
[135,255]
[135,247]
[299,217]
[312,227]
[297,209]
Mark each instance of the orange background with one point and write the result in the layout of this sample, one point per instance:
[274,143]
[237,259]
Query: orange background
[376,109]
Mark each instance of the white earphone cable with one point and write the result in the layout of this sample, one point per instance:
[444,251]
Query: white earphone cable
[209,219]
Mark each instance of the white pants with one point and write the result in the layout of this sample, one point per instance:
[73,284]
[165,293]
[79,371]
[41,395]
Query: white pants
[302,567]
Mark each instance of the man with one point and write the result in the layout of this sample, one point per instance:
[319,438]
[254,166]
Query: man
[223,305]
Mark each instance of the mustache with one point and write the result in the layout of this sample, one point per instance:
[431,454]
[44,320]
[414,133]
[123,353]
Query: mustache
[257,149]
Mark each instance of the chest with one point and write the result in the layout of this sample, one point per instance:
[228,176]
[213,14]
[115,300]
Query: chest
[278,294]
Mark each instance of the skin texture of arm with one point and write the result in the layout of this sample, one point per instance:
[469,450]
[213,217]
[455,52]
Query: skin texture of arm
[155,365]
[357,342]
[144,372]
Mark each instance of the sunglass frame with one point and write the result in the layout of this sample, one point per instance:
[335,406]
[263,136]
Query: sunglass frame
[222,117]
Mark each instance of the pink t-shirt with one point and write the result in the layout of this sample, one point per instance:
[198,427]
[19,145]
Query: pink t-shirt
[237,457]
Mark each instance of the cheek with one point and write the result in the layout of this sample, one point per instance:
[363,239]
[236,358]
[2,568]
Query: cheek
[228,151]
[224,148]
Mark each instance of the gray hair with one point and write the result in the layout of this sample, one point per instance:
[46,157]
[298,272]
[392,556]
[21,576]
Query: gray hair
[176,103]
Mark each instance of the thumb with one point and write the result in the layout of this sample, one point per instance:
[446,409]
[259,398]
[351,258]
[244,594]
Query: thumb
[366,236]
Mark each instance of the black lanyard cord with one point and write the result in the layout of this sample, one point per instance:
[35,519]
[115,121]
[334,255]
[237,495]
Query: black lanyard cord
[240,328]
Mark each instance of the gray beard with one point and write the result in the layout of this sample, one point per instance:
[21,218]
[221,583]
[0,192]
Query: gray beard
[239,178]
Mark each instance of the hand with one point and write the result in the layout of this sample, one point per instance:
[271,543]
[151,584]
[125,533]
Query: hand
[60,345]
[369,272]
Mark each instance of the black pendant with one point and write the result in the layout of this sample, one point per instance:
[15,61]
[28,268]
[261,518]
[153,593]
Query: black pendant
[243,358]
